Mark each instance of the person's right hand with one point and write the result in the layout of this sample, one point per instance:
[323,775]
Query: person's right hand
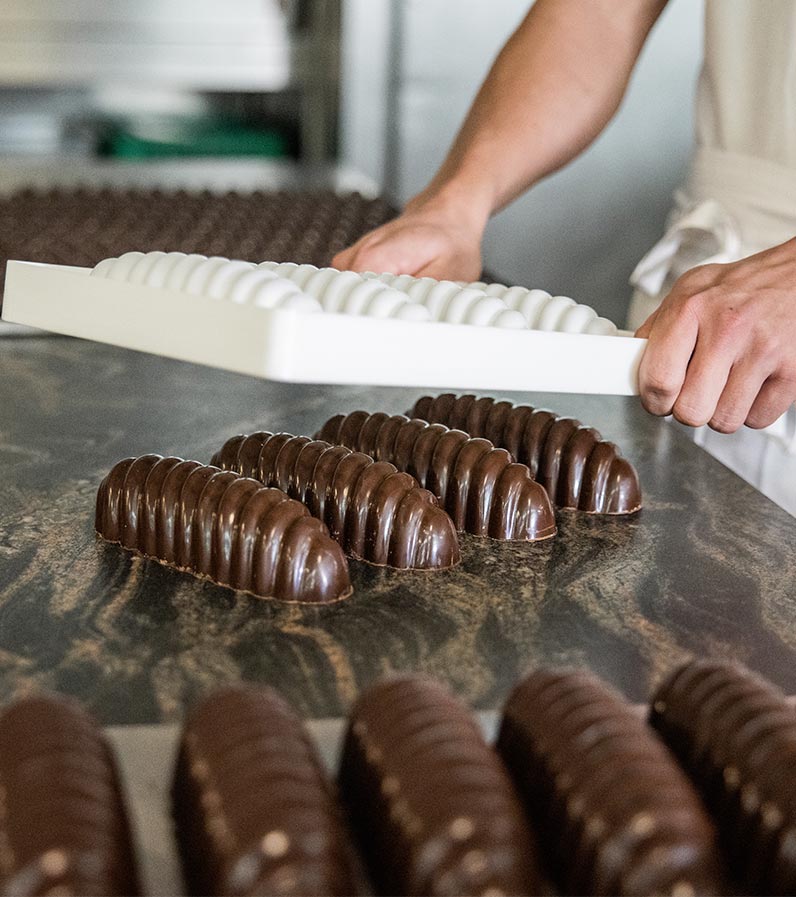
[427,240]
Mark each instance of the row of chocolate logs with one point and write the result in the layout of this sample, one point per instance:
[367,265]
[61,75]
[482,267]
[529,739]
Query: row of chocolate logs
[275,514]
[580,794]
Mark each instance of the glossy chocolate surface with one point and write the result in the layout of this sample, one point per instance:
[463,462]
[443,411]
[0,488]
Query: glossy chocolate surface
[83,226]
[430,801]
[614,812]
[218,525]
[254,810]
[375,512]
[706,568]
[736,735]
[578,468]
[478,485]
[63,828]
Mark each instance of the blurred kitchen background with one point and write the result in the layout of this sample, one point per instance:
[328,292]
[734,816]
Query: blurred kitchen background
[354,94]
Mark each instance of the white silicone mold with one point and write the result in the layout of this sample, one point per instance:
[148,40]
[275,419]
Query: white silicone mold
[214,277]
[539,309]
[252,320]
[443,300]
[543,311]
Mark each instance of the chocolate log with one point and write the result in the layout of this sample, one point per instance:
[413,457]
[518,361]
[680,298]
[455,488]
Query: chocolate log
[64,828]
[431,802]
[217,525]
[736,736]
[375,512]
[478,485]
[253,808]
[578,468]
[614,812]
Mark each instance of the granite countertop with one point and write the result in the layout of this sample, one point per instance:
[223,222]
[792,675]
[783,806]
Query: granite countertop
[707,567]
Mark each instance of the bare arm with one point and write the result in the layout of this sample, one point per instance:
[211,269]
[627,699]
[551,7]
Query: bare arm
[551,91]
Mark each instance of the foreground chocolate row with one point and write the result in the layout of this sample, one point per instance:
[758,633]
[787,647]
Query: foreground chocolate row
[580,795]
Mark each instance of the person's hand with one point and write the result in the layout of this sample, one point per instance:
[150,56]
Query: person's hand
[722,344]
[430,239]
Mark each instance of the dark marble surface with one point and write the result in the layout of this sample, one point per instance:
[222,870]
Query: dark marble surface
[708,567]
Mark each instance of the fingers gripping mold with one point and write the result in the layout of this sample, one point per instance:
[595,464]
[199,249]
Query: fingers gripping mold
[254,810]
[614,812]
[478,485]
[375,512]
[223,527]
[578,468]
[432,804]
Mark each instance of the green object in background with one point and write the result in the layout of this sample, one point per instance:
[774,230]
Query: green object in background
[161,137]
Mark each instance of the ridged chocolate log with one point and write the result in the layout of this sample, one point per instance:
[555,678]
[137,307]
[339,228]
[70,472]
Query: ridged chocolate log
[478,485]
[63,827]
[218,525]
[253,808]
[614,812]
[578,468]
[432,804]
[736,736]
[375,512]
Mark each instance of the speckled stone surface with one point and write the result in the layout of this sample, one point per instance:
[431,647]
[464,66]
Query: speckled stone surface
[708,567]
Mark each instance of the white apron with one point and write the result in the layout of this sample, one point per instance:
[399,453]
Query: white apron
[739,198]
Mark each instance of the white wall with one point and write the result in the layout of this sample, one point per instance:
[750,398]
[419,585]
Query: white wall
[365,53]
[579,233]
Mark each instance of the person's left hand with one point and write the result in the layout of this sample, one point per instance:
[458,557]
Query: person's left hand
[722,344]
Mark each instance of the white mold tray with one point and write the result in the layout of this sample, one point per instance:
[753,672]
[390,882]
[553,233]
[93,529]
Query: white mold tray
[301,347]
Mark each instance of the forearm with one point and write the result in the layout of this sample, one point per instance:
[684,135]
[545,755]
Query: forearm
[551,91]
